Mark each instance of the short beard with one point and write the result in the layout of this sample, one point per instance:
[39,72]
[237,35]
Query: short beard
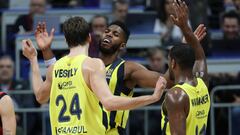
[109,51]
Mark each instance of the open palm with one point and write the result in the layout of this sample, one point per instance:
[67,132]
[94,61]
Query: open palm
[200,33]
[43,39]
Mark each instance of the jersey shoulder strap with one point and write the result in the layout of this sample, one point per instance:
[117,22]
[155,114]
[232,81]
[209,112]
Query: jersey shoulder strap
[112,67]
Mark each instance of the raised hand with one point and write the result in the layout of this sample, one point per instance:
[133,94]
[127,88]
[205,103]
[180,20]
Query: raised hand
[180,18]
[28,49]
[200,33]
[43,39]
[160,86]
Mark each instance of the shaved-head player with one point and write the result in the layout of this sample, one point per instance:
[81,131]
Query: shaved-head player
[186,105]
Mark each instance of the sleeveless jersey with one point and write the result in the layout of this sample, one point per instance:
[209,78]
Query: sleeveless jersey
[2,94]
[199,102]
[115,79]
[74,108]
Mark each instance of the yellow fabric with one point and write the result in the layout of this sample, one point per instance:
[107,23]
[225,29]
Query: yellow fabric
[113,131]
[74,109]
[199,101]
[121,116]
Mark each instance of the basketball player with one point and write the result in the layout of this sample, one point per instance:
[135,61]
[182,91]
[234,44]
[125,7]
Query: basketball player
[122,76]
[8,120]
[186,105]
[76,83]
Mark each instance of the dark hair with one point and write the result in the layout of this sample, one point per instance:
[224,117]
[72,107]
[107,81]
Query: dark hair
[100,16]
[114,4]
[76,31]
[123,27]
[183,55]
[231,14]
[6,56]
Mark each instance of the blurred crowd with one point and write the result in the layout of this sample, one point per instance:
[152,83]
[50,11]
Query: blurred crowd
[220,16]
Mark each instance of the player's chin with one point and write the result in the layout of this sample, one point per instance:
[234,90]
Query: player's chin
[106,50]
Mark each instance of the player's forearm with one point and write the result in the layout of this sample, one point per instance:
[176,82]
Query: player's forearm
[200,66]
[36,77]
[149,81]
[9,127]
[47,54]
[9,120]
[193,42]
[125,103]
[145,78]
[8,132]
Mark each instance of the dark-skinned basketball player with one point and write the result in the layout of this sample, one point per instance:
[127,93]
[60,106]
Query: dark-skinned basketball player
[122,76]
[186,105]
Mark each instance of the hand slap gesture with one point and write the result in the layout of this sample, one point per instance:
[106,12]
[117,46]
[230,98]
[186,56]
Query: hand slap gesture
[200,33]
[28,49]
[180,18]
[43,39]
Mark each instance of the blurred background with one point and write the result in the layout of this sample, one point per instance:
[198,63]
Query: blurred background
[152,34]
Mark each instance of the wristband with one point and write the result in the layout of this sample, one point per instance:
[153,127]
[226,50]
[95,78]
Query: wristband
[50,62]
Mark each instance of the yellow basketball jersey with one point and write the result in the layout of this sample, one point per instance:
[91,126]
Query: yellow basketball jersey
[199,102]
[115,79]
[74,108]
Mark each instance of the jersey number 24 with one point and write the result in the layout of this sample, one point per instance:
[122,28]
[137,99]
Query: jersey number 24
[74,108]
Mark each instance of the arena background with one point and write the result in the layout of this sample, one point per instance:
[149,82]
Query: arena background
[152,34]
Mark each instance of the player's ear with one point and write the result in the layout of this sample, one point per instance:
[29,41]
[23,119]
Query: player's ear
[89,39]
[122,46]
[173,63]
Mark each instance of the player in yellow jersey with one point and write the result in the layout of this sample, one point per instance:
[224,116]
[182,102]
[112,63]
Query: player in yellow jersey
[76,83]
[186,105]
[122,76]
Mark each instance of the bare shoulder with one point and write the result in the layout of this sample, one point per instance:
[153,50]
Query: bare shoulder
[93,64]
[5,99]
[176,97]
[177,102]
[6,103]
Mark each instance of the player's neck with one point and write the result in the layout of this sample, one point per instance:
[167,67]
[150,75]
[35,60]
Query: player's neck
[78,50]
[184,76]
[108,59]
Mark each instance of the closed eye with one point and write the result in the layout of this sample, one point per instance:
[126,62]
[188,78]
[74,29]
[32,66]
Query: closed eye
[116,34]
[107,31]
